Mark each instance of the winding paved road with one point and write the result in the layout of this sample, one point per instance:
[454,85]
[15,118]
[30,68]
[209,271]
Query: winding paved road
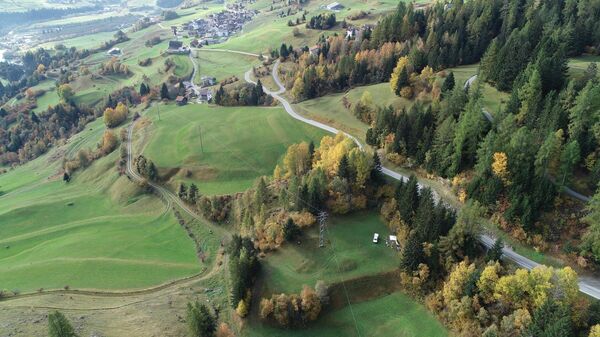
[587,285]
[490,118]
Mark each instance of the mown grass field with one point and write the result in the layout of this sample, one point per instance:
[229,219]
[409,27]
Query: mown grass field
[330,109]
[96,232]
[391,315]
[240,143]
[348,253]
[223,65]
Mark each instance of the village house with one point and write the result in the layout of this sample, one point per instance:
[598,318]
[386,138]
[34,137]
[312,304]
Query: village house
[181,100]
[114,52]
[335,6]
[205,95]
[208,81]
[177,47]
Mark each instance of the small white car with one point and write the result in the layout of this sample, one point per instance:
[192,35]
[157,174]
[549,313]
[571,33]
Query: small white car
[376,238]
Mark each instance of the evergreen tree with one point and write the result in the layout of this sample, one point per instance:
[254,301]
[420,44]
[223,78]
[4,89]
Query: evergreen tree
[449,83]
[201,322]
[59,326]
[291,230]
[261,194]
[408,200]
[551,320]
[182,192]
[66,177]
[412,254]
[495,252]
[219,96]
[143,89]
[164,92]
[568,159]
[283,51]
[344,168]
[192,193]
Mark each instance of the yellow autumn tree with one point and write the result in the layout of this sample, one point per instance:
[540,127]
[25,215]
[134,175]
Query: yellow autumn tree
[116,116]
[331,151]
[242,309]
[363,164]
[454,287]
[298,89]
[297,159]
[595,331]
[487,282]
[427,75]
[397,80]
[500,166]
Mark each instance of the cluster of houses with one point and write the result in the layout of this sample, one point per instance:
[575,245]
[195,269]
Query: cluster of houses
[203,95]
[218,27]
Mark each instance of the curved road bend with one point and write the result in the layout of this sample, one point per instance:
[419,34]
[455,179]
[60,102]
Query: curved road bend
[587,285]
[490,118]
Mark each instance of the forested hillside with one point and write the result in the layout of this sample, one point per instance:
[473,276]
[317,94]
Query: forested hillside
[515,161]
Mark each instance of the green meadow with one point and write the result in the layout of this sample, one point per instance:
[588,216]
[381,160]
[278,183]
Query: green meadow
[223,65]
[348,253]
[330,109]
[96,232]
[239,144]
[390,315]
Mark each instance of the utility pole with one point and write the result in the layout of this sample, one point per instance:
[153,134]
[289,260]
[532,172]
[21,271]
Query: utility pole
[158,110]
[322,218]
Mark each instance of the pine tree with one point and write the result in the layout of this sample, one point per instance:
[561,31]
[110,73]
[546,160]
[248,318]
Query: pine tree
[59,326]
[164,91]
[283,51]
[219,96]
[495,252]
[261,194]
[449,83]
[182,192]
[568,159]
[200,321]
[143,89]
[412,254]
[344,168]
[409,200]
[192,193]
[551,320]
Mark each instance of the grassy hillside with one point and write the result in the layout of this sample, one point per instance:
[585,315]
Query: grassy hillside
[240,144]
[268,30]
[97,231]
[223,65]
[391,315]
[349,252]
[330,109]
